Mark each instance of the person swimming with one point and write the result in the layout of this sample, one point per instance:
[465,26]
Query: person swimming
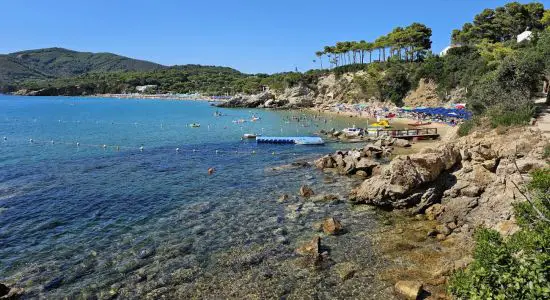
[211,171]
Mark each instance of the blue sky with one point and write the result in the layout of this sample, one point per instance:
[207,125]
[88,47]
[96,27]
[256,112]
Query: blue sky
[251,36]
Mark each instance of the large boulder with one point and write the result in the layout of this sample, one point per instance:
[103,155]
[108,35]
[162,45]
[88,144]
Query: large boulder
[325,162]
[405,174]
[349,165]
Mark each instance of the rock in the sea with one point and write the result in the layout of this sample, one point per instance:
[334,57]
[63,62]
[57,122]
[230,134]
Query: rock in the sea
[146,252]
[283,198]
[443,229]
[345,270]
[7,293]
[4,290]
[434,211]
[408,289]
[324,198]
[325,162]
[306,191]
[318,226]
[332,226]
[312,248]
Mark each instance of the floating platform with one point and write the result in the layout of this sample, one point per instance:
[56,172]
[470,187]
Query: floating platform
[300,140]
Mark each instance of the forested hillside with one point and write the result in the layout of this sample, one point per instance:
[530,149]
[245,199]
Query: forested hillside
[58,62]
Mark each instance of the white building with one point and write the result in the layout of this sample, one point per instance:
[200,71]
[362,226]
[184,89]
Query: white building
[525,36]
[143,88]
[444,51]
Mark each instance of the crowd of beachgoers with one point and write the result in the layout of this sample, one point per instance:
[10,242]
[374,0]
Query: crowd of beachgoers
[451,115]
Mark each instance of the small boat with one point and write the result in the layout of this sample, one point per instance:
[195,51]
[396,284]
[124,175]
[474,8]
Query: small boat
[250,135]
[352,131]
[382,123]
[194,125]
[420,124]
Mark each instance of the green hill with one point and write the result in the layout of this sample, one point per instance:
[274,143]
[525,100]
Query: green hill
[58,62]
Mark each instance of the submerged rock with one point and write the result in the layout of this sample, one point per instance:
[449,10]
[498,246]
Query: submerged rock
[332,226]
[306,191]
[346,270]
[434,211]
[8,293]
[146,252]
[283,198]
[4,290]
[312,248]
[408,289]
[324,198]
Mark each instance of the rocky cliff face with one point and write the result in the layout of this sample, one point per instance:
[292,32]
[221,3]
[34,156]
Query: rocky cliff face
[328,90]
[356,87]
[464,183]
[424,95]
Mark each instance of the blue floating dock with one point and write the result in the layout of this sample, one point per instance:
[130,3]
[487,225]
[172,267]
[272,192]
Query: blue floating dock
[301,140]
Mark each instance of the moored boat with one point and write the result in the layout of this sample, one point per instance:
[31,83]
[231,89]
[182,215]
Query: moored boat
[352,131]
[250,135]
[381,123]
[420,124]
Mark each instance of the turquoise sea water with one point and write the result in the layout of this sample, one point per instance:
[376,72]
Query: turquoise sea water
[105,219]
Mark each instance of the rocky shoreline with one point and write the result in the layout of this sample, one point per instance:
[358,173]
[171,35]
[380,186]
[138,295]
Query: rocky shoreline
[451,189]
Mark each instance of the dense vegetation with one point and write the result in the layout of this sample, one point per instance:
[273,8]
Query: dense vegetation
[502,24]
[57,62]
[517,267]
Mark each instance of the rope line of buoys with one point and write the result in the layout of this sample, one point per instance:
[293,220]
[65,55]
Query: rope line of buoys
[141,148]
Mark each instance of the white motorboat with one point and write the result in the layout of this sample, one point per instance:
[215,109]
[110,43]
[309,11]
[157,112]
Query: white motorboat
[352,131]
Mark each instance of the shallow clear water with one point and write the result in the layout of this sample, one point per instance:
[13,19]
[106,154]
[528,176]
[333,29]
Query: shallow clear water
[90,221]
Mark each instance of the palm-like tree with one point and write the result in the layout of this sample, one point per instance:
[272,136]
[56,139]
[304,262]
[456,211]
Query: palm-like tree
[402,42]
[320,55]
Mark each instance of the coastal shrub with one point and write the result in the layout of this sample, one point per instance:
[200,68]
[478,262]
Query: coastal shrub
[546,151]
[466,127]
[395,84]
[517,267]
[510,116]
